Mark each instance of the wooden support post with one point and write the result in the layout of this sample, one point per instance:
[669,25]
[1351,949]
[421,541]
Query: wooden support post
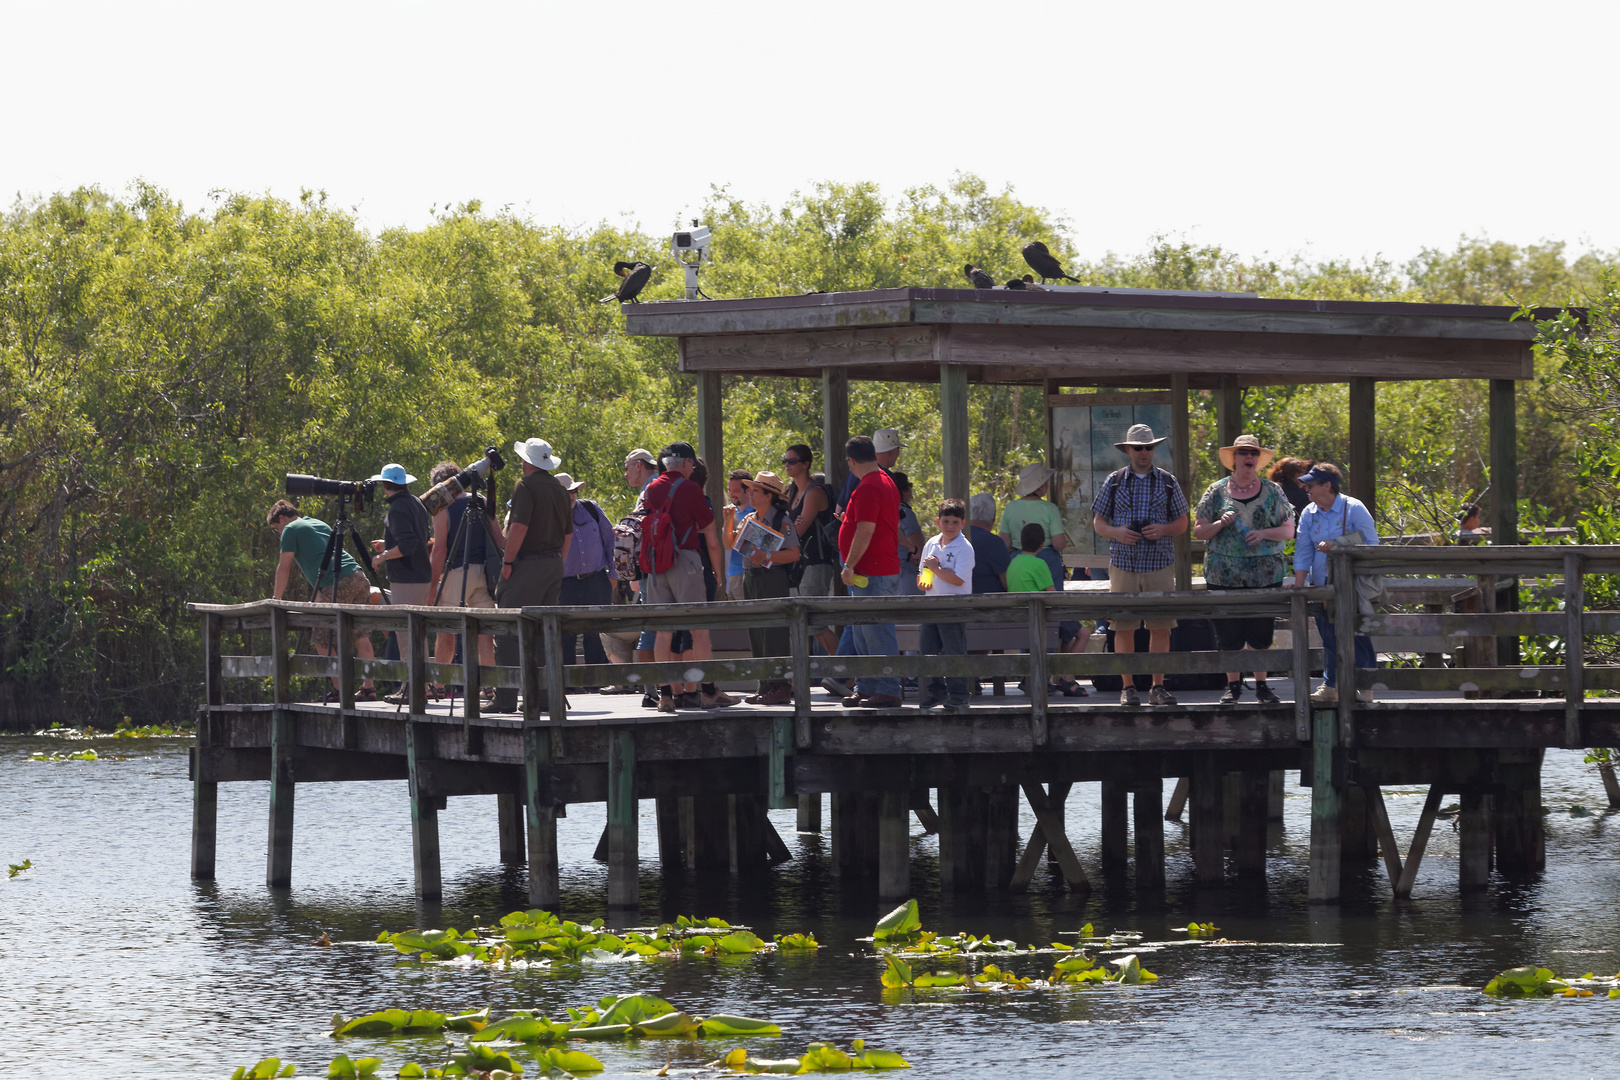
[1002,803]
[1050,832]
[1181,465]
[624,887]
[424,812]
[530,658]
[1358,840]
[746,832]
[1611,786]
[416,654]
[544,883]
[963,820]
[1574,649]
[1231,789]
[1345,617]
[472,675]
[1249,850]
[671,836]
[1420,841]
[1276,782]
[343,649]
[1323,885]
[280,661]
[278,864]
[1207,819]
[926,817]
[709,837]
[854,833]
[1178,799]
[1363,481]
[776,849]
[711,435]
[1504,484]
[799,650]
[894,845]
[954,430]
[1228,414]
[809,812]
[1385,834]
[205,794]
[1035,686]
[777,780]
[1147,796]
[555,695]
[1114,854]
[1474,841]
[509,810]
[1299,628]
[834,424]
[1521,846]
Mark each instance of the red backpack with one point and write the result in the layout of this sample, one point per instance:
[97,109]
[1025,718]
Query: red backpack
[657,553]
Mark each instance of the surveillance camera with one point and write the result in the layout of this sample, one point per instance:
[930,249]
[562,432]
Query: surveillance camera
[691,240]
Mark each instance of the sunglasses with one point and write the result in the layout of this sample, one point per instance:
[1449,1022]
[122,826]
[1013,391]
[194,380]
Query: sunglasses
[791,460]
[1247,453]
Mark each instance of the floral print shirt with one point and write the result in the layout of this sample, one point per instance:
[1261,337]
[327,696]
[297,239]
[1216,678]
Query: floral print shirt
[1229,561]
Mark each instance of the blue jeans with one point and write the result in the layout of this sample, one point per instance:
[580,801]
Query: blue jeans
[1365,657]
[876,639]
[944,639]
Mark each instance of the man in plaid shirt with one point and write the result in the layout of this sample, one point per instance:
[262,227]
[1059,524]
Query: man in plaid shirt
[1141,509]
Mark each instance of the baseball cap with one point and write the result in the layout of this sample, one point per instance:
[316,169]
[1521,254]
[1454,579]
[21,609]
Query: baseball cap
[677,450]
[886,439]
[642,454]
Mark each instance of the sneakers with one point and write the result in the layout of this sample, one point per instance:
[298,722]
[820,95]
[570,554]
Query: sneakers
[1263,694]
[958,704]
[649,700]
[666,703]
[1325,695]
[690,699]
[1233,691]
[1127,696]
[1160,696]
[837,689]
[881,701]
[931,703]
[778,696]
[853,701]
[720,700]
[1365,697]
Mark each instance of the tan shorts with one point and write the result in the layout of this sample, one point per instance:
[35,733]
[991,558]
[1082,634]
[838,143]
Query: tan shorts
[681,584]
[477,589]
[354,589]
[1142,581]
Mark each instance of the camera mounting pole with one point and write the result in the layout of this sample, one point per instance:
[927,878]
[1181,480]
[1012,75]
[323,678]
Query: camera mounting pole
[691,248]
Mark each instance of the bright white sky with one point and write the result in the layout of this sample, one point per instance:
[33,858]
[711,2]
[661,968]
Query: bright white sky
[1339,131]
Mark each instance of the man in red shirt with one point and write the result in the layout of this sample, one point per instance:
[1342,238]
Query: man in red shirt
[682,583]
[869,540]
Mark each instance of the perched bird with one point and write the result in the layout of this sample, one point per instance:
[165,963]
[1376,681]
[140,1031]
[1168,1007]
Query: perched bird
[1040,260]
[980,279]
[1017,283]
[635,276]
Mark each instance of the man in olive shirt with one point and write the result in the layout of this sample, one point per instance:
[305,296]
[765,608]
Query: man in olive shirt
[537,538]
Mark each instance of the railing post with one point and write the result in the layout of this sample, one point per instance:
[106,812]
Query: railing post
[1574,648]
[799,651]
[529,660]
[556,684]
[205,793]
[1346,615]
[416,626]
[1035,687]
[472,675]
[213,669]
[280,663]
[343,649]
[1300,626]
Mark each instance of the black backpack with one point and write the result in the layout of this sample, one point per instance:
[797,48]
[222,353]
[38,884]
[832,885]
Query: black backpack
[1116,478]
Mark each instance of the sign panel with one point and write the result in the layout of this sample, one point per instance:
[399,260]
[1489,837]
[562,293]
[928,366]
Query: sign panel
[1083,439]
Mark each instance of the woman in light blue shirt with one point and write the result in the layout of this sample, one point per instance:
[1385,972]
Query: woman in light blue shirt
[1330,515]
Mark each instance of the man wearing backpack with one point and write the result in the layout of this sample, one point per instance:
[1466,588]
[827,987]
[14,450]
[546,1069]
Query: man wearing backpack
[1141,509]
[537,540]
[678,519]
[588,574]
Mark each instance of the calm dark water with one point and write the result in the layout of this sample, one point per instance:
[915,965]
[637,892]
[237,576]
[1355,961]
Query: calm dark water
[112,959]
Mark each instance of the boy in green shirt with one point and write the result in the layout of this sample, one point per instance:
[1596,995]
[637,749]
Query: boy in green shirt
[1028,572]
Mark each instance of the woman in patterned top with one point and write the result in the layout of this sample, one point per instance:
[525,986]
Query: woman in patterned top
[1246,520]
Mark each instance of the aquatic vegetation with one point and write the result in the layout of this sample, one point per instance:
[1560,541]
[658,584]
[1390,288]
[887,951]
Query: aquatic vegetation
[16,868]
[817,1057]
[408,1022]
[631,1016]
[267,1069]
[345,1068]
[540,936]
[1199,930]
[82,755]
[901,924]
[1532,981]
[1075,969]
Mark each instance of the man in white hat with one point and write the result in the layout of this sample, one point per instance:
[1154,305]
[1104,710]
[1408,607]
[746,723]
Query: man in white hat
[1141,509]
[538,535]
[404,546]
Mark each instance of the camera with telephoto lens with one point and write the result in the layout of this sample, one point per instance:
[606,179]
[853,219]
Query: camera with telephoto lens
[1138,526]
[441,495]
[300,485]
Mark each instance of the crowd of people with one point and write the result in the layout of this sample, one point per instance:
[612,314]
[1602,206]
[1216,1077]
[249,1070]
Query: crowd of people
[788,533]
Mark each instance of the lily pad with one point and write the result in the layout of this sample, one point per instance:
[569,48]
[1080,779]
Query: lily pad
[725,1024]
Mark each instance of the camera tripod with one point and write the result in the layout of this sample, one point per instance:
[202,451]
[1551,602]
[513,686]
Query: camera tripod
[476,516]
[333,558]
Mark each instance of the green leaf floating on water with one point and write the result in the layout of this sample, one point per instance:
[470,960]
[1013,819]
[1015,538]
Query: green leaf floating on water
[796,942]
[484,1059]
[632,1008]
[1131,971]
[574,1061]
[724,1024]
[343,1068]
[900,922]
[600,1032]
[524,1030]
[740,941]
[897,973]
[1526,981]
[673,1025]
[468,1021]
[411,1071]
[268,1069]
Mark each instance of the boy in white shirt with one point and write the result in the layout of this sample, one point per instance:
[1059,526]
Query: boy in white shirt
[947,570]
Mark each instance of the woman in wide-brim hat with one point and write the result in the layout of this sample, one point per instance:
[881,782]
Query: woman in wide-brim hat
[765,577]
[1246,521]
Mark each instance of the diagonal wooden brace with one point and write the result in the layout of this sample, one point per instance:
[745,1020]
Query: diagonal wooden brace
[1049,831]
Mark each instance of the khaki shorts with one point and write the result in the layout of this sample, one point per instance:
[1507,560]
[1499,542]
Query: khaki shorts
[681,584]
[734,587]
[817,581]
[477,589]
[354,589]
[1141,581]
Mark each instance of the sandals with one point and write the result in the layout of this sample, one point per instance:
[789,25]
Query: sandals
[366,693]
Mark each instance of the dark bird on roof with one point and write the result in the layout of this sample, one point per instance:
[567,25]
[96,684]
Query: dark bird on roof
[980,279]
[1017,283]
[1041,261]
[636,275]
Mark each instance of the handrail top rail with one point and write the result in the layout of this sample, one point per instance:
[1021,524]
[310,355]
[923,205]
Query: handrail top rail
[1552,553]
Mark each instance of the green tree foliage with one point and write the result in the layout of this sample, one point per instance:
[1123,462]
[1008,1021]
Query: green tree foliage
[160,369]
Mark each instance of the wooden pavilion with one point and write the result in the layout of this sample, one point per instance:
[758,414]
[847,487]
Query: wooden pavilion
[1077,337]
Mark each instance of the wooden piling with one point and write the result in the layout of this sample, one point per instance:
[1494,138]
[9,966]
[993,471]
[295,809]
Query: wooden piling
[540,805]
[1114,855]
[854,833]
[1323,883]
[1276,783]
[1001,835]
[509,811]
[671,835]
[809,820]
[1249,850]
[1178,799]
[1147,796]
[624,886]
[964,815]
[1358,837]
[1474,841]
[746,831]
[205,793]
[1521,845]
[894,845]
[424,815]
[278,862]
[1207,820]
[709,838]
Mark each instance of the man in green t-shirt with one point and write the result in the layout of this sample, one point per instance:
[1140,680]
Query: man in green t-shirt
[303,543]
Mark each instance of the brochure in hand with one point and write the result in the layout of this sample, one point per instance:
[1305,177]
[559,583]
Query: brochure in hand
[754,535]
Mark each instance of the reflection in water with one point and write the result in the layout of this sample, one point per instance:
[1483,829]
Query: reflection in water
[113,951]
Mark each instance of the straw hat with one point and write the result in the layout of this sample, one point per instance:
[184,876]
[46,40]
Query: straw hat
[1031,477]
[1246,442]
[1139,435]
[770,482]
